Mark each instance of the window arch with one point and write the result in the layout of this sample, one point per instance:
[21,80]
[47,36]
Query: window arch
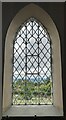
[46,20]
[32,67]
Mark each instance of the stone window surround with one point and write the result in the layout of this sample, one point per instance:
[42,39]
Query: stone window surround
[25,13]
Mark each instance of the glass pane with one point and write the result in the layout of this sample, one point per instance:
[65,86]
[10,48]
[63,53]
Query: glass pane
[32,65]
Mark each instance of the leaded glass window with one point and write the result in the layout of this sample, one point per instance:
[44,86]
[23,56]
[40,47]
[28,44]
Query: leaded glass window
[32,65]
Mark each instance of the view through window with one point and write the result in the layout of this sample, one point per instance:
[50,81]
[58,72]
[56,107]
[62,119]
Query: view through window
[32,65]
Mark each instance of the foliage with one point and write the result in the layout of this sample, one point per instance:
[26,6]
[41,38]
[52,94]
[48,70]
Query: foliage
[28,89]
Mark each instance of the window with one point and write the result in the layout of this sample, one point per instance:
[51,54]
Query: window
[23,18]
[32,67]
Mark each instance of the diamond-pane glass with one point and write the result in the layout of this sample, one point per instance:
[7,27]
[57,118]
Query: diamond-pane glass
[32,65]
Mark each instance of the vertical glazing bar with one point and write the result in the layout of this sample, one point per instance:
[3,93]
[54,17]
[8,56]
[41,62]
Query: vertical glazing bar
[25,64]
[32,28]
[32,53]
[13,102]
[51,71]
[38,69]
[12,70]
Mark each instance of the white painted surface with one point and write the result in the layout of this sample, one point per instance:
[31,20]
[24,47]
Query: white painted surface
[38,110]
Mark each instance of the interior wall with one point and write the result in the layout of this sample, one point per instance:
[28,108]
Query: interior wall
[55,10]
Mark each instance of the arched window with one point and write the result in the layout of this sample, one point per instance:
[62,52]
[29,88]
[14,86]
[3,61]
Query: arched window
[33,59]
[32,65]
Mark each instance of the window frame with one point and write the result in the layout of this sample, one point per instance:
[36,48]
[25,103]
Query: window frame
[30,54]
[46,20]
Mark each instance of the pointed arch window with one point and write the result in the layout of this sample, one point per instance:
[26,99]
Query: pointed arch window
[32,64]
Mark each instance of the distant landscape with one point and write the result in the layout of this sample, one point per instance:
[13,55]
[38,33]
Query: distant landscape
[32,91]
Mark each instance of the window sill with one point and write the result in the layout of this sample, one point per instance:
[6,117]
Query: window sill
[41,110]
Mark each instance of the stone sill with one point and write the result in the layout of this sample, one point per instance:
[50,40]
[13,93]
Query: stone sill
[32,110]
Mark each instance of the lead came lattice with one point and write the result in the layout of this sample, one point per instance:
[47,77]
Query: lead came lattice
[32,65]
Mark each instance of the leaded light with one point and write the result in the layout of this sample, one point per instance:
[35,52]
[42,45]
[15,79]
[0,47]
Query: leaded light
[32,65]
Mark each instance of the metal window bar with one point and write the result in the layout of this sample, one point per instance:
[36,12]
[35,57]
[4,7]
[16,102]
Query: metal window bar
[30,41]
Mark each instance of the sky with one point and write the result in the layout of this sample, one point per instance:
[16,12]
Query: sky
[33,36]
